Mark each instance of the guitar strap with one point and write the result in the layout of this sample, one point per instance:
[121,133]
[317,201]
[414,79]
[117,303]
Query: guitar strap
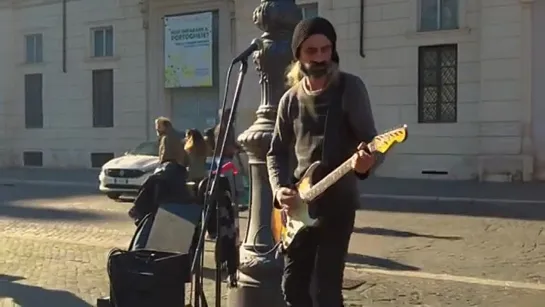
[336,128]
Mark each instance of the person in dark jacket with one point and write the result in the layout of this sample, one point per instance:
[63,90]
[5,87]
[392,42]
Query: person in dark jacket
[315,122]
[231,154]
[166,185]
[231,145]
[210,140]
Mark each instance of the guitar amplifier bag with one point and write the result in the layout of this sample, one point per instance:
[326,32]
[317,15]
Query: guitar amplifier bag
[143,278]
[154,270]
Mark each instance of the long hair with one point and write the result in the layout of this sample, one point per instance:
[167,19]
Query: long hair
[294,74]
[194,142]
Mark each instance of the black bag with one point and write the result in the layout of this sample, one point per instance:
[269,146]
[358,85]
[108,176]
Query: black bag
[144,278]
[166,185]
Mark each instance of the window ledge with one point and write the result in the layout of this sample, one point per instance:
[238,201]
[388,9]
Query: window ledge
[438,33]
[102,59]
[32,64]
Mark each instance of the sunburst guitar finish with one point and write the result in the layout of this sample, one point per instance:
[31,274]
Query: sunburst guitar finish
[287,224]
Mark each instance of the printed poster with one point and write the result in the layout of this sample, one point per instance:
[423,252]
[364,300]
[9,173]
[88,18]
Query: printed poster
[188,50]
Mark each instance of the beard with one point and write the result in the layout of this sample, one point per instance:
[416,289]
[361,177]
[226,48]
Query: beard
[316,69]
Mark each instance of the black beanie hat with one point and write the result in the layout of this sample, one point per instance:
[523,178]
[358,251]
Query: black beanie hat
[308,27]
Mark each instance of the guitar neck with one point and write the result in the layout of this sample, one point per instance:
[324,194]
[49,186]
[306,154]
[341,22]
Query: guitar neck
[322,185]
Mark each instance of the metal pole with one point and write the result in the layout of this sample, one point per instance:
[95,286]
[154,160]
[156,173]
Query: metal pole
[260,271]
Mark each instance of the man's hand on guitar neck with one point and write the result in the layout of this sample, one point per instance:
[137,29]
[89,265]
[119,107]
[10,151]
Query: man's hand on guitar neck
[287,197]
[362,160]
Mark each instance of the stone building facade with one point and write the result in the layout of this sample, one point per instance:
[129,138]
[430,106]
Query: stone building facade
[464,75]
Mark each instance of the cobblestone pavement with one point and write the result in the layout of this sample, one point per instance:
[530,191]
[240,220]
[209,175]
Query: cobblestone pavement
[380,291]
[54,242]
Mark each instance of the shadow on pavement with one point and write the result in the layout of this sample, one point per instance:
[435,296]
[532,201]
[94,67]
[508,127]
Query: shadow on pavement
[454,188]
[521,211]
[399,233]
[9,193]
[25,212]
[32,296]
[125,199]
[209,273]
[379,262]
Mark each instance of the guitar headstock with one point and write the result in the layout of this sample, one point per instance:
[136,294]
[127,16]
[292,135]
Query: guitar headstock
[383,142]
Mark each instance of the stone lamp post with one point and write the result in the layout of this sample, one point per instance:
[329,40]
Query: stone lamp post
[260,270]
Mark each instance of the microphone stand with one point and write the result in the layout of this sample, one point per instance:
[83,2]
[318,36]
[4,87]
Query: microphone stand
[210,199]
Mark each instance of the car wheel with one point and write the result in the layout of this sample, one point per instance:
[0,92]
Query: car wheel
[113,196]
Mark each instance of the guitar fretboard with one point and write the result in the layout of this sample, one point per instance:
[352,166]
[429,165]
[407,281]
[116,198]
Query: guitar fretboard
[322,185]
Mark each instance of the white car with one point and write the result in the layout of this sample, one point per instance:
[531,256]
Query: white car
[126,174]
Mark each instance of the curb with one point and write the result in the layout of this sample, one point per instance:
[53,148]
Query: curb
[452,199]
[49,183]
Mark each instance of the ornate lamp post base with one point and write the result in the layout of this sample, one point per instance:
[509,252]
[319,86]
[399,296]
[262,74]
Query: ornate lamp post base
[260,271]
[259,284]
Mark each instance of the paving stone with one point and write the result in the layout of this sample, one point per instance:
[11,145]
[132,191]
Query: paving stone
[53,252]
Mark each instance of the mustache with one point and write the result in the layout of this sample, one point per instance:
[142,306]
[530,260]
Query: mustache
[320,64]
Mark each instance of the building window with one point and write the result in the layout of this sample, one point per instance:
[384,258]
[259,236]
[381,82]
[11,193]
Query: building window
[103,42]
[34,48]
[98,159]
[439,15]
[33,158]
[103,98]
[309,10]
[437,78]
[34,101]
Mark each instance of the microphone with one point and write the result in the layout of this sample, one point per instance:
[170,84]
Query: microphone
[246,53]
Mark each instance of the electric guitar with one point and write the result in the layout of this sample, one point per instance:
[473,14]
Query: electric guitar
[285,226]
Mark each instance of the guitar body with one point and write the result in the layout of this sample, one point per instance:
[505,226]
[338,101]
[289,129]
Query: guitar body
[285,227]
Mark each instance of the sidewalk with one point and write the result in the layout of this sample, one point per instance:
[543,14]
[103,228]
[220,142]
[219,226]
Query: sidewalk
[451,190]
[375,187]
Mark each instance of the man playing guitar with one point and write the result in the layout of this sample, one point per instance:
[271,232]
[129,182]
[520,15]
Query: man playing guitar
[324,116]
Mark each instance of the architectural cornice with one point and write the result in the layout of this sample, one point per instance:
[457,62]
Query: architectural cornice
[28,3]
